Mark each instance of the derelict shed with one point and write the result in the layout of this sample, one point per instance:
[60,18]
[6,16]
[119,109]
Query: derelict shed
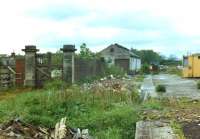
[120,56]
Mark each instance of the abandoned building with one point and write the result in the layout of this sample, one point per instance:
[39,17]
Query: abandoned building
[191,65]
[120,56]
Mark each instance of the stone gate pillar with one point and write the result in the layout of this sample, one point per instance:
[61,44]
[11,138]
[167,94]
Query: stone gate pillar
[30,65]
[68,63]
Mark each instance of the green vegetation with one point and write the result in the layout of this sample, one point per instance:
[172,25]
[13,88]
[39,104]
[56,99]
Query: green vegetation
[148,56]
[152,104]
[177,129]
[114,70]
[139,78]
[172,60]
[145,69]
[57,58]
[86,53]
[105,114]
[198,85]
[160,88]
[174,70]
[0,61]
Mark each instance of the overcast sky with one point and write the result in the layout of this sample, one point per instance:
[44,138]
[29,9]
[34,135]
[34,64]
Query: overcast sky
[166,26]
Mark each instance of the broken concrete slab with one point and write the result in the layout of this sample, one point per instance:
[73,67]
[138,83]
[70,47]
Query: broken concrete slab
[154,130]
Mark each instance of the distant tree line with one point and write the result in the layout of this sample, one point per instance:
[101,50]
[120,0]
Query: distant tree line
[148,56]
[151,57]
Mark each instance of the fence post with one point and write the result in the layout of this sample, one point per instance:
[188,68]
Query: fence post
[30,65]
[68,63]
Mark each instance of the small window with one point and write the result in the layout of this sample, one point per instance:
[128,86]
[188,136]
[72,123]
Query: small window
[112,50]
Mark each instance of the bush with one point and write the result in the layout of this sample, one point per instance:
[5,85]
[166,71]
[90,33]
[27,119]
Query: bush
[160,88]
[145,69]
[198,85]
[114,70]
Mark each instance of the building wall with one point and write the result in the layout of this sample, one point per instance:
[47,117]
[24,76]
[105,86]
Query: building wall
[139,64]
[135,64]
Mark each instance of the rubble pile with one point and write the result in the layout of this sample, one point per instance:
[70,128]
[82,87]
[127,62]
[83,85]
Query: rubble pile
[110,84]
[17,129]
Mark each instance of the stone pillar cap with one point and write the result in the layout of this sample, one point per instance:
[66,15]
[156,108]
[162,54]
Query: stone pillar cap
[30,48]
[68,48]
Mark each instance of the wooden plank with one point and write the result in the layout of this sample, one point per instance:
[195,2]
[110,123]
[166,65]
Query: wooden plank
[12,70]
[43,72]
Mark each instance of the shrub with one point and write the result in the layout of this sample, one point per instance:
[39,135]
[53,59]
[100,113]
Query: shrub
[160,88]
[198,85]
[145,69]
[114,70]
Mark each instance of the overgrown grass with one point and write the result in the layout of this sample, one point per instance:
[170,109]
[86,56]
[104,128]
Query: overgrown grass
[106,115]
[153,104]
[139,78]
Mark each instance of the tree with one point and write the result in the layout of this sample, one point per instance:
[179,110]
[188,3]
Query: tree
[171,60]
[148,56]
[57,58]
[85,52]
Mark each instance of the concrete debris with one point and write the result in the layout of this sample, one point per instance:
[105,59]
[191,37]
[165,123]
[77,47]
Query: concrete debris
[110,83]
[154,130]
[17,129]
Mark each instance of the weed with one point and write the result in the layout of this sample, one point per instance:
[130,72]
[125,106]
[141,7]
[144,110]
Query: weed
[177,129]
[153,104]
[160,88]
